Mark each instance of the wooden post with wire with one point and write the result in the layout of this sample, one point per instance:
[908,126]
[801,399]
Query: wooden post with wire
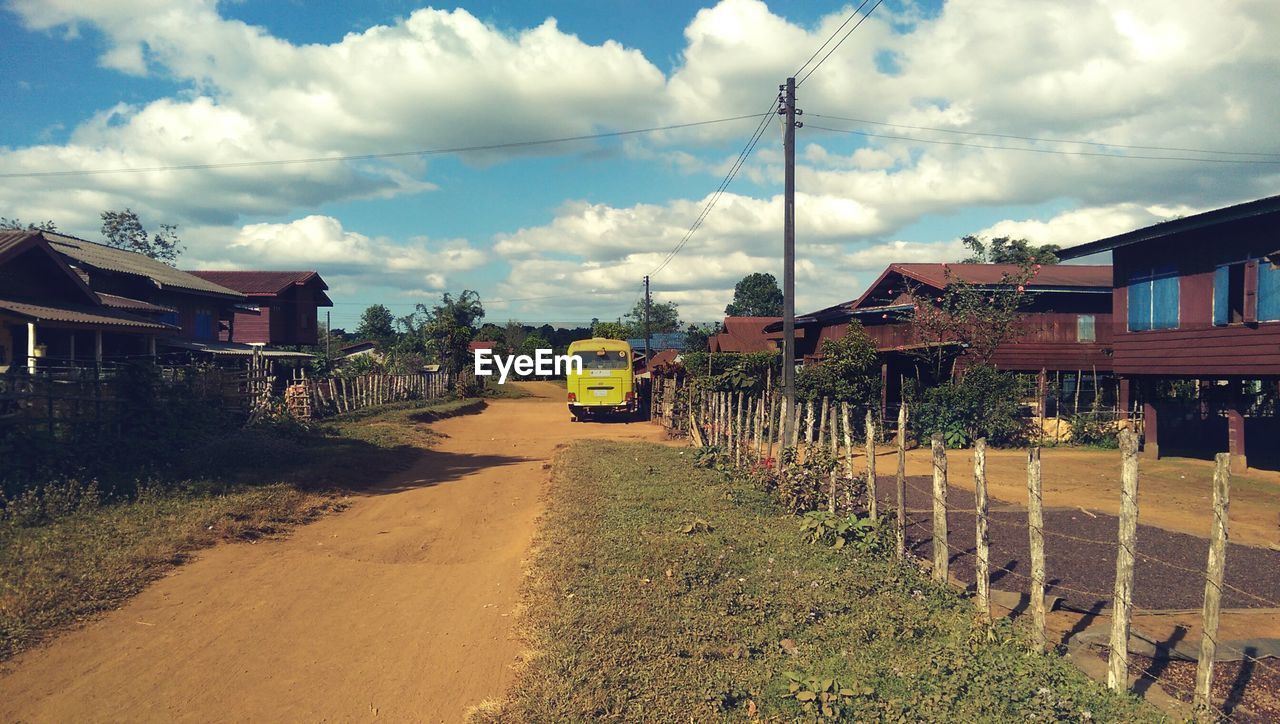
[1213,580]
[871,467]
[1035,530]
[848,452]
[940,555]
[1122,606]
[982,545]
[900,492]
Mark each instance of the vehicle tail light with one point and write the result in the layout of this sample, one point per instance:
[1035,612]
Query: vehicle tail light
[573,397]
[631,396]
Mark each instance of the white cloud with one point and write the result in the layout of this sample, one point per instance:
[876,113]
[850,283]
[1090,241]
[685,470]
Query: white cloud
[1079,226]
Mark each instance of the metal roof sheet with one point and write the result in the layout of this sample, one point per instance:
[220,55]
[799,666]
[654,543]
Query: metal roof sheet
[108,258]
[92,316]
[258,282]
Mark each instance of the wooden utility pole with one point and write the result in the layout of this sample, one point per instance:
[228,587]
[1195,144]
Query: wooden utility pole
[646,324]
[788,109]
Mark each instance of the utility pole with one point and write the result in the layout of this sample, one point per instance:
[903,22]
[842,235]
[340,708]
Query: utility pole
[646,322]
[328,338]
[788,109]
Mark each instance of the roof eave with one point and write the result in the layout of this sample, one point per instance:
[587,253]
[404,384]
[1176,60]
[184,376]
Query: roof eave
[1238,212]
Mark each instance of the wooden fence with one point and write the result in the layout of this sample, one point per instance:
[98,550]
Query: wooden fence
[750,430]
[312,398]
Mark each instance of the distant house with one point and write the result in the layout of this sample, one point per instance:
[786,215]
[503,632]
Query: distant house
[195,309]
[367,348]
[50,318]
[287,305]
[478,344]
[1196,308]
[746,334]
[658,341]
[1065,330]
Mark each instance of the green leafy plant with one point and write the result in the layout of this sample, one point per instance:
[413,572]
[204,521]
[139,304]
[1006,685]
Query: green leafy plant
[1089,430]
[823,698]
[837,531]
[985,403]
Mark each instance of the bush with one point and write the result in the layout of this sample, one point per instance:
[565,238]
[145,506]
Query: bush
[732,371]
[1089,430]
[848,372]
[982,404]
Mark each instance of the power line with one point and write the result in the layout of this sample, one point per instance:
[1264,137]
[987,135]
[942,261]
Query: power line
[1051,151]
[765,119]
[370,156]
[1047,140]
[835,32]
[801,80]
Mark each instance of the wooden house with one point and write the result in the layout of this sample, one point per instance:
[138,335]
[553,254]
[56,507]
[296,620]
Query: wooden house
[746,334]
[1064,329]
[50,318]
[287,304]
[1196,331]
[197,309]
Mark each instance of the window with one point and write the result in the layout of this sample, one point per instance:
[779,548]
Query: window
[1268,291]
[1228,294]
[170,318]
[1085,331]
[204,324]
[1153,298]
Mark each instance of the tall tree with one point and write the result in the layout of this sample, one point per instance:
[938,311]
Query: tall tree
[756,295]
[377,324]
[450,327]
[1003,250]
[696,336]
[663,317]
[610,330]
[16,225]
[124,230]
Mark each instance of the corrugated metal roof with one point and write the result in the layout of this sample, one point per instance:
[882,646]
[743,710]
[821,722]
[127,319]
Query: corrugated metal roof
[137,305]
[745,334]
[258,282]
[1238,212]
[109,258]
[11,239]
[92,316]
[236,349]
[1053,275]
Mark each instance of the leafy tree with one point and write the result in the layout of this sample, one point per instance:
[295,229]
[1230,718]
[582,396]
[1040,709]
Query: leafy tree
[697,336]
[450,326]
[663,317]
[1003,250]
[611,330]
[377,324]
[16,225]
[489,332]
[532,343]
[756,295]
[849,371]
[123,230]
[514,335]
[966,319]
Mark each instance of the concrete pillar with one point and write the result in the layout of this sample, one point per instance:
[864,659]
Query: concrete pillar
[1235,438]
[72,353]
[1123,399]
[97,346]
[31,348]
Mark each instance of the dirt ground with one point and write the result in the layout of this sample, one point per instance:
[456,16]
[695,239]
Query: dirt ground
[1174,493]
[401,608]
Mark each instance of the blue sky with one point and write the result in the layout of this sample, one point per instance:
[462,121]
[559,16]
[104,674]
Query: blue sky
[568,231]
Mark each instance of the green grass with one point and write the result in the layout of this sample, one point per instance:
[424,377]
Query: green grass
[64,567]
[633,619]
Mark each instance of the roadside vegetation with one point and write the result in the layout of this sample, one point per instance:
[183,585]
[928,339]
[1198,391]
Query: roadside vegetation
[664,590]
[73,544]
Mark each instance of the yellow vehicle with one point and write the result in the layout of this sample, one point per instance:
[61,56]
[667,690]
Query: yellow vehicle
[606,384]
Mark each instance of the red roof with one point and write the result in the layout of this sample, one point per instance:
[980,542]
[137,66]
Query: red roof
[1051,276]
[744,334]
[481,345]
[260,283]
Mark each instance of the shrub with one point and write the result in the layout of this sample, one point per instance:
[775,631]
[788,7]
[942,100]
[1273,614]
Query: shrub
[1089,430]
[985,403]
[849,371]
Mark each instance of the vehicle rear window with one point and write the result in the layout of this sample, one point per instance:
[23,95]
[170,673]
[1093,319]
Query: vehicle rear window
[606,361]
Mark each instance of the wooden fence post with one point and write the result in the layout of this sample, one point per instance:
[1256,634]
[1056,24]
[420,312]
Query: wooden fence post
[760,413]
[1213,586]
[983,544]
[1121,607]
[822,421]
[848,452]
[797,417]
[871,467]
[809,423]
[940,554]
[834,447]
[901,484]
[1035,529]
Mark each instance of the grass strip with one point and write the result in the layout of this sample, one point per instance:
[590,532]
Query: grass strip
[665,592]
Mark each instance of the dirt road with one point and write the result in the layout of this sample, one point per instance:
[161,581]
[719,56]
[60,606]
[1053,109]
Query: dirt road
[401,608]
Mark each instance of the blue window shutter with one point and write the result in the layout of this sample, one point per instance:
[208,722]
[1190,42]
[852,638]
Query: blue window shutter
[1139,294]
[1164,298]
[1268,292]
[1221,296]
[1085,330]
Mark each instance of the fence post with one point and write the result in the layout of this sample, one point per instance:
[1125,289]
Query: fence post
[848,451]
[1213,586]
[797,418]
[760,426]
[901,483]
[809,422]
[775,421]
[940,557]
[822,421]
[834,447]
[1118,662]
[1035,529]
[983,544]
[871,467]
